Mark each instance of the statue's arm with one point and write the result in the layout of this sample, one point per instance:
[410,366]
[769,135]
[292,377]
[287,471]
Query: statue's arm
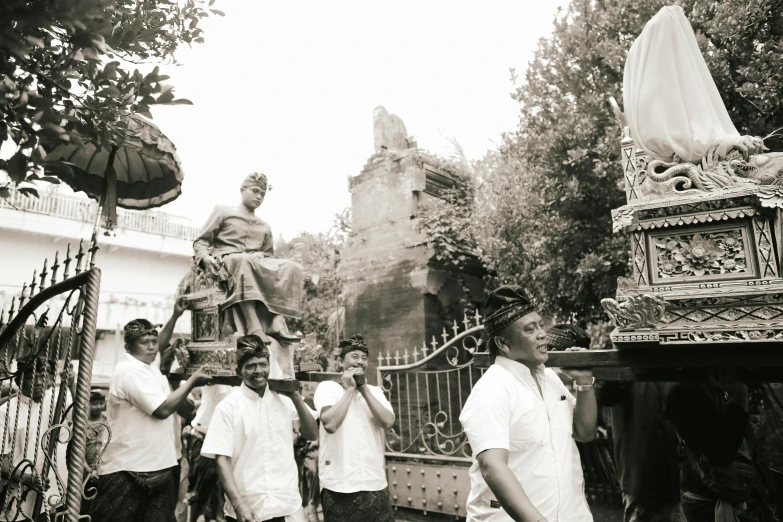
[207,235]
[268,247]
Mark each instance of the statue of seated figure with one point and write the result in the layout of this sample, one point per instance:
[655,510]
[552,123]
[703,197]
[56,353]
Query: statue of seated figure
[235,248]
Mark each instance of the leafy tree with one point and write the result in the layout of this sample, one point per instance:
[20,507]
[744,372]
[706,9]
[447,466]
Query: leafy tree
[545,218]
[319,255]
[65,74]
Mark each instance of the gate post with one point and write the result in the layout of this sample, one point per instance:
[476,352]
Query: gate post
[81,401]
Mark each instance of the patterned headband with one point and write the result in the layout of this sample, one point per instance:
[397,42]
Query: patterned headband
[140,328]
[504,306]
[563,336]
[353,343]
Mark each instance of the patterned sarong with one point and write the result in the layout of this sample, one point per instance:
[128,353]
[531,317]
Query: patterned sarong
[122,499]
[362,506]
[204,489]
[278,283]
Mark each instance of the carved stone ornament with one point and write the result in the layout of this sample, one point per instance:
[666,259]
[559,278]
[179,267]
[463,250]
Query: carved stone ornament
[715,174]
[642,311]
[770,196]
[622,218]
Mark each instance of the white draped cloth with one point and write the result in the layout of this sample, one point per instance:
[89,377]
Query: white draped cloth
[672,105]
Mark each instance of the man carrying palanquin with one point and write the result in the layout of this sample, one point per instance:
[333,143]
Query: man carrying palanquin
[521,422]
[351,463]
[137,481]
[237,247]
[251,436]
[35,403]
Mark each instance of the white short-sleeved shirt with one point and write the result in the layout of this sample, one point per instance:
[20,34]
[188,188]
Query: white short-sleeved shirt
[352,458]
[139,441]
[15,441]
[210,398]
[257,433]
[506,411]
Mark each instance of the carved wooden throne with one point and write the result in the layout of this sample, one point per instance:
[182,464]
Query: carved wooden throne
[213,332]
[212,342]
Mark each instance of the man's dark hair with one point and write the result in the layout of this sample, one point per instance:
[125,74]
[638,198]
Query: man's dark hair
[249,346]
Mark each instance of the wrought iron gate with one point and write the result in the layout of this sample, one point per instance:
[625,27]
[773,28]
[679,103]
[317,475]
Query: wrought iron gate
[428,454]
[52,319]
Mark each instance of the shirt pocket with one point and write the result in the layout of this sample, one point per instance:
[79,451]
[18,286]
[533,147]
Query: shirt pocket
[562,418]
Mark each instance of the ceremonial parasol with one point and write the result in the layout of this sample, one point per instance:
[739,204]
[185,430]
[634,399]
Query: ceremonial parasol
[142,171]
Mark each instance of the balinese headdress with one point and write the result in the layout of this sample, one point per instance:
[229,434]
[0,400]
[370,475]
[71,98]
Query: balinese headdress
[353,343]
[139,328]
[504,306]
[564,336]
[256,179]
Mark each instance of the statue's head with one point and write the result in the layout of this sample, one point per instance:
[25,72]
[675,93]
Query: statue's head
[253,190]
[513,328]
[252,361]
[354,352]
[141,340]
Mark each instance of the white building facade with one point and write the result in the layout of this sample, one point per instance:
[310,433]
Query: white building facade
[141,262]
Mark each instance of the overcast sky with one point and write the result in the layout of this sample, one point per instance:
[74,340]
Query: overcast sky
[288,89]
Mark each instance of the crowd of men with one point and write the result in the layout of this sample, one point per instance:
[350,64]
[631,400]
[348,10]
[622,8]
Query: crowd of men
[521,420]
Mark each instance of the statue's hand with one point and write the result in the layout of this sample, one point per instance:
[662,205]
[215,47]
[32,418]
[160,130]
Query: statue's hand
[211,265]
[749,145]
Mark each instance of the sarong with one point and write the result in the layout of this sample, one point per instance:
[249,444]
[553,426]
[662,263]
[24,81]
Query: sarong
[362,506]
[278,283]
[121,499]
[204,489]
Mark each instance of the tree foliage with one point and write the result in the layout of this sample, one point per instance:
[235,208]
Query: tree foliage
[319,255]
[65,73]
[545,214]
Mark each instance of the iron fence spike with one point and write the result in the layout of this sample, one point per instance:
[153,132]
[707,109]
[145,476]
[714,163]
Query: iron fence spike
[55,266]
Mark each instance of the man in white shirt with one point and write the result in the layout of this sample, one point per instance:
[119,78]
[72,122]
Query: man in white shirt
[251,436]
[521,422]
[351,465]
[137,481]
[204,489]
[34,404]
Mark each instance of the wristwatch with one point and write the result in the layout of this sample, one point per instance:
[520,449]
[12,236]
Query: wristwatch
[585,387]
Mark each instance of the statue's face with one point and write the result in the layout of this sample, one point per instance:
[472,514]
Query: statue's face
[252,197]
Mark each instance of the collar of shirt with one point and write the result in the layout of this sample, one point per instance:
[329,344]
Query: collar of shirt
[251,394]
[131,359]
[520,371]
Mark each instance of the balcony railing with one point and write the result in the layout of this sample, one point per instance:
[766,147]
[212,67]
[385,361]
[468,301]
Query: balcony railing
[84,210]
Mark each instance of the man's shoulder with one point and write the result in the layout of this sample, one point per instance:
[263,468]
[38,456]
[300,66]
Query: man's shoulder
[329,387]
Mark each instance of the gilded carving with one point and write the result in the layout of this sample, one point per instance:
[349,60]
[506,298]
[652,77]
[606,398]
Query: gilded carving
[700,254]
[641,311]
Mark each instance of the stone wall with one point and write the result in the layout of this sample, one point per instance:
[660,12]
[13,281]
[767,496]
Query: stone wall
[394,295]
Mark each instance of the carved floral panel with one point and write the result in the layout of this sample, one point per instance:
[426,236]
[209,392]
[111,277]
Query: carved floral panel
[708,254]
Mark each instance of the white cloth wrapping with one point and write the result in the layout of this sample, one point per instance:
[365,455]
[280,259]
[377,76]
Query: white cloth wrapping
[671,103]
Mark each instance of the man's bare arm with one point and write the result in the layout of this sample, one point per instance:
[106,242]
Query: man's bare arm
[380,413]
[493,464]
